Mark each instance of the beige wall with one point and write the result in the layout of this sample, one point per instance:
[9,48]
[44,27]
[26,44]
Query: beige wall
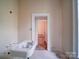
[53,7]
[8,23]
[67,25]
[60,21]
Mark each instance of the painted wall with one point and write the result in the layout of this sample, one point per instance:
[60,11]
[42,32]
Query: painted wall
[53,7]
[67,17]
[8,23]
[60,21]
[78,29]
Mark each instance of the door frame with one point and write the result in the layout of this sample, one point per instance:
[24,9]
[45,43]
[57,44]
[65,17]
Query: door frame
[34,37]
[75,28]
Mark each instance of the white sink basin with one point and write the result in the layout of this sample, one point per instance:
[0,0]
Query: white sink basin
[23,50]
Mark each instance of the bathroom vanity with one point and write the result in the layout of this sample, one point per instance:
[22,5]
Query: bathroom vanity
[24,50]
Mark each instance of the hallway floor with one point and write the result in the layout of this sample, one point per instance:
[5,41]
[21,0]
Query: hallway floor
[42,54]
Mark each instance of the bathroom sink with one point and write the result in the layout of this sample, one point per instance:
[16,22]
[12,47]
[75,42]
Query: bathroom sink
[23,49]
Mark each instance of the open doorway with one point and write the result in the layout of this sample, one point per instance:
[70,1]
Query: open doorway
[40,30]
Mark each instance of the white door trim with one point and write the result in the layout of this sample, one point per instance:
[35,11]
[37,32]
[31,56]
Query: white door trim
[34,37]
